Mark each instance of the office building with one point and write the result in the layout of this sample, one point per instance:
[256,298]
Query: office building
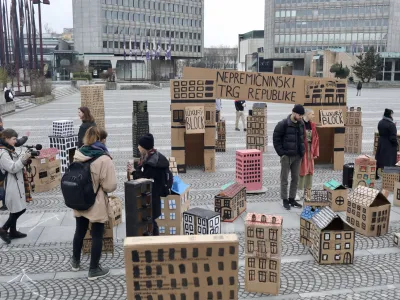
[106,29]
[251,52]
[296,27]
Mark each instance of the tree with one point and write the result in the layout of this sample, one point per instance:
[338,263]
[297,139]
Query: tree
[339,71]
[369,65]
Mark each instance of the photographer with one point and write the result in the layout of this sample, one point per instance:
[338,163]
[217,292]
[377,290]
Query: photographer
[16,184]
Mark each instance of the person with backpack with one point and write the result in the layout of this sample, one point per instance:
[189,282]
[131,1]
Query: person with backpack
[16,184]
[8,95]
[85,186]
[153,165]
[87,121]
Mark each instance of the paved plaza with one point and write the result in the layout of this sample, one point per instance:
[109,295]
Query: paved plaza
[37,267]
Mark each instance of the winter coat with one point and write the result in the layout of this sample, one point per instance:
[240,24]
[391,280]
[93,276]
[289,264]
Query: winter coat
[82,131]
[20,141]
[288,138]
[14,182]
[307,166]
[153,168]
[103,173]
[8,96]
[386,153]
[359,86]
[239,105]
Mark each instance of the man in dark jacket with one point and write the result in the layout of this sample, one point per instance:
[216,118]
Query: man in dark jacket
[386,153]
[152,165]
[239,105]
[8,95]
[288,142]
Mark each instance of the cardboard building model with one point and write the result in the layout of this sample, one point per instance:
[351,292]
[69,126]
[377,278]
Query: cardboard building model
[173,166]
[220,143]
[390,175]
[66,146]
[364,171]
[332,239]
[182,267]
[201,221]
[331,146]
[396,194]
[368,210]
[92,96]
[46,170]
[230,202]
[63,128]
[337,195]
[318,199]
[249,169]
[193,123]
[306,224]
[108,238]
[354,130]
[256,134]
[140,124]
[263,250]
[172,208]
[396,239]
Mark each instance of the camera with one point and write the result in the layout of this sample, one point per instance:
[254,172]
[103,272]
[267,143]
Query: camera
[34,150]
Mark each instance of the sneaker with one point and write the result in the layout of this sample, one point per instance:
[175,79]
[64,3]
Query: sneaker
[17,235]
[237,129]
[298,197]
[75,264]
[286,204]
[4,236]
[294,203]
[97,273]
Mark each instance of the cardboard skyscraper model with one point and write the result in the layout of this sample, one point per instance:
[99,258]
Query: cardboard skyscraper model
[354,130]
[66,146]
[256,134]
[172,208]
[337,195]
[193,123]
[249,169]
[390,175]
[220,143]
[306,225]
[364,171]
[140,124]
[368,210]
[192,267]
[201,221]
[332,239]
[230,202]
[92,96]
[263,250]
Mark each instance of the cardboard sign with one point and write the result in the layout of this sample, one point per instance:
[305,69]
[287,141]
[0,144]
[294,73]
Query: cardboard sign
[194,119]
[331,118]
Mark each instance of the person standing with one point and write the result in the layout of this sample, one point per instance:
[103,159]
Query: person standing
[359,87]
[218,107]
[386,153]
[152,165]
[288,140]
[311,145]
[87,121]
[104,181]
[8,95]
[16,184]
[240,105]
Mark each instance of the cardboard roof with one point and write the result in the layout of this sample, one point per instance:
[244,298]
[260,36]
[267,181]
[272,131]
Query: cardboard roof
[178,186]
[368,197]
[232,190]
[318,196]
[308,212]
[259,219]
[326,219]
[391,170]
[334,185]
[202,213]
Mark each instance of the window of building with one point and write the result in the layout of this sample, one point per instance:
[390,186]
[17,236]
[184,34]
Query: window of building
[272,277]
[161,229]
[274,248]
[250,232]
[273,234]
[172,216]
[338,236]
[325,257]
[325,245]
[252,275]
[250,246]
[172,204]
[252,262]
[260,233]
[338,246]
[262,247]
[327,236]
[262,276]
[272,265]
[162,216]
[178,115]
[347,246]
[347,235]
[263,263]
[372,228]
[105,44]
[337,256]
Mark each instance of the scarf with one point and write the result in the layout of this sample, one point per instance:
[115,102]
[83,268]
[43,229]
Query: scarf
[388,119]
[100,146]
[10,149]
[146,157]
[93,152]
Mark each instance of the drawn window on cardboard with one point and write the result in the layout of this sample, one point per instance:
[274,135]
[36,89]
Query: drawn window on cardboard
[272,277]
[162,229]
[250,232]
[178,116]
[252,275]
[253,218]
[273,220]
[272,264]
[273,234]
[262,276]
[252,262]
[263,219]
[339,200]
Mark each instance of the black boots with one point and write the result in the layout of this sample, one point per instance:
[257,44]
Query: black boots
[294,203]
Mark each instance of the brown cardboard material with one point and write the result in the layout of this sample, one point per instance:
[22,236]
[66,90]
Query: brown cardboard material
[353,139]
[108,239]
[318,199]
[337,195]
[396,239]
[396,194]
[116,210]
[368,211]
[173,167]
[331,118]
[185,266]
[331,146]
[390,175]
[231,202]
[195,119]
[47,170]
[92,96]
[354,116]
[364,171]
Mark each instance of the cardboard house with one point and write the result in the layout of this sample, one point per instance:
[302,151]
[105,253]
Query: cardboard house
[140,124]
[396,194]
[331,146]
[220,143]
[201,221]
[354,130]
[306,225]
[173,166]
[337,195]
[249,169]
[92,96]
[318,199]
[332,238]
[256,134]
[263,250]
[390,175]
[230,202]
[46,170]
[396,239]
[368,211]
[364,171]
[193,123]
[172,208]
[192,267]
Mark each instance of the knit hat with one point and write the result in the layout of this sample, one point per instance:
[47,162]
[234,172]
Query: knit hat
[298,109]
[387,113]
[147,141]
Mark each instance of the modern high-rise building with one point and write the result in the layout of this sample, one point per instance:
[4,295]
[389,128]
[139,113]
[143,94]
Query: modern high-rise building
[105,30]
[295,27]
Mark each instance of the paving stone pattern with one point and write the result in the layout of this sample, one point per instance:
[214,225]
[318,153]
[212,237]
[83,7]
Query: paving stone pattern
[374,275]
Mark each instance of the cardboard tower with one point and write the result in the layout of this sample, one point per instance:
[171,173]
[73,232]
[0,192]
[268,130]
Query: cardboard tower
[220,143]
[249,169]
[354,130]
[140,124]
[92,96]
[256,135]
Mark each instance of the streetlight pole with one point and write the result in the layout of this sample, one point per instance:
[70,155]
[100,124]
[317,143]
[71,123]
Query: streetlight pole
[40,33]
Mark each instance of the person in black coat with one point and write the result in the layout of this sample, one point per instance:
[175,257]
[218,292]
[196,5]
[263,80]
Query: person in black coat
[386,153]
[152,165]
[87,122]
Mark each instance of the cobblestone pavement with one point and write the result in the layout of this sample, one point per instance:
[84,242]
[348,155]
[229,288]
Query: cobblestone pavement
[37,267]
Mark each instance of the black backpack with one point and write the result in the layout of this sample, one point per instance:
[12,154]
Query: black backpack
[77,186]
[166,181]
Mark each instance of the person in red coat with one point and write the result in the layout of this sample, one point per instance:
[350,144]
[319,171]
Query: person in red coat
[311,143]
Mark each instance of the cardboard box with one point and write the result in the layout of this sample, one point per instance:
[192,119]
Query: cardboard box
[201,221]
[353,139]
[46,170]
[230,202]
[108,239]
[364,171]
[337,195]
[331,146]
[116,210]
[194,267]
[354,116]
[390,175]
[368,211]
[396,194]
[92,96]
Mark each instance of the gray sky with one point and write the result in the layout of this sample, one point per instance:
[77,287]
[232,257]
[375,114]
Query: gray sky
[224,19]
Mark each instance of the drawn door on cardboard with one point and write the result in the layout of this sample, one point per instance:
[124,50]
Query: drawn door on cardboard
[194,149]
[379,230]
[227,213]
[347,258]
[188,222]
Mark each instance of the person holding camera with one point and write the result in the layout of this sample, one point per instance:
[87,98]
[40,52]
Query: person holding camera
[16,184]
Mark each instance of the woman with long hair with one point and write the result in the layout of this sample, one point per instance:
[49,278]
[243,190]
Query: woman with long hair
[87,121]
[16,184]
[105,181]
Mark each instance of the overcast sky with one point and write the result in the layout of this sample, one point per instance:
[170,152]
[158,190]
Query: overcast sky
[224,19]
